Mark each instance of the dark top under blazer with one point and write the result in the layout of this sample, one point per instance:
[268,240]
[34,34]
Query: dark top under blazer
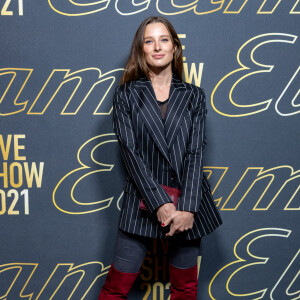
[155,153]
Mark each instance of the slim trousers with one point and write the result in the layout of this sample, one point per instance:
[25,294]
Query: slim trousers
[130,250]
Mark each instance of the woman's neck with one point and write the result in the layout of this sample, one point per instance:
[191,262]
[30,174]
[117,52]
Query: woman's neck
[161,83]
[161,79]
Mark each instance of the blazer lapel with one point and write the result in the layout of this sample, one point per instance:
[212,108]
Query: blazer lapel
[177,108]
[163,135]
[151,115]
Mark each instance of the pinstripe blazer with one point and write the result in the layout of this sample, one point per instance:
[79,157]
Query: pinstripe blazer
[155,153]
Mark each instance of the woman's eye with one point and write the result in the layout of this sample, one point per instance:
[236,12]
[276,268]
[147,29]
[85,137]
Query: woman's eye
[165,40]
[148,42]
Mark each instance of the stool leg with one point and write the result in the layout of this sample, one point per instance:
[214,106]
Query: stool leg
[117,284]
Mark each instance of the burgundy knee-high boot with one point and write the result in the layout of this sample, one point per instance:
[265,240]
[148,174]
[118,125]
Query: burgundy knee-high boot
[183,283]
[117,284]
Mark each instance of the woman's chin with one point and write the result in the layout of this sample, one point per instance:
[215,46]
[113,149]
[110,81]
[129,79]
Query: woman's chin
[157,68]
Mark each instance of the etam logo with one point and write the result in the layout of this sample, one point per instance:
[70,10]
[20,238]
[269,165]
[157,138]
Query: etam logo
[198,7]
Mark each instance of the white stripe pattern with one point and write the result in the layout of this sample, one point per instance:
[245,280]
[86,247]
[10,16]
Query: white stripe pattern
[170,154]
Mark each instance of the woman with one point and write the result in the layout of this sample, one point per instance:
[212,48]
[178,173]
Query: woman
[159,121]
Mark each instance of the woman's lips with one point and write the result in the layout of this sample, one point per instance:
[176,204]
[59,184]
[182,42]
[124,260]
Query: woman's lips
[157,56]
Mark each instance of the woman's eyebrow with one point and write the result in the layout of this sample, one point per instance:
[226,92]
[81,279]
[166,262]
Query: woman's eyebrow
[148,37]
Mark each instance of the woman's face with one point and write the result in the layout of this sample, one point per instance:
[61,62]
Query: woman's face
[158,46]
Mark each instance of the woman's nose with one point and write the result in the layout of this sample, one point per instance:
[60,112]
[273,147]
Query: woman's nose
[157,46]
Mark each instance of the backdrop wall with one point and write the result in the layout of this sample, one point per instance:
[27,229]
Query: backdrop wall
[61,173]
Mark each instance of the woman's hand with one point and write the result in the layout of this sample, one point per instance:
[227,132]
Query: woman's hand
[165,211]
[180,221]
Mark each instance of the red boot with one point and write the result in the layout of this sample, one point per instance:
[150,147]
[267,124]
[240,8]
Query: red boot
[117,284]
[183,283]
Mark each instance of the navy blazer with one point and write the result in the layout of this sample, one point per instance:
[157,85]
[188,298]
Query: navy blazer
[155,153]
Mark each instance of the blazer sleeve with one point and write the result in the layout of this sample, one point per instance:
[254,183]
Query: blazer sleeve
[193,163]
[154,195]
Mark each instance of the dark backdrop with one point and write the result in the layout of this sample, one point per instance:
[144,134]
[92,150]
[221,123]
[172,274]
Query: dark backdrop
[61,173]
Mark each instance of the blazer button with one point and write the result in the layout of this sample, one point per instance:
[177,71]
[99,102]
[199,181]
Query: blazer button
[173,176]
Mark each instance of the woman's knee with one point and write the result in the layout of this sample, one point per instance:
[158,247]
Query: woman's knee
[184,254]
[129,252]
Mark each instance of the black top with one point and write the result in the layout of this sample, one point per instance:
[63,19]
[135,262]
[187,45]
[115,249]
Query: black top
[163,108]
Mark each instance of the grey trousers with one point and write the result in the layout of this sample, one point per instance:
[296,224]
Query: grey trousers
[130,250]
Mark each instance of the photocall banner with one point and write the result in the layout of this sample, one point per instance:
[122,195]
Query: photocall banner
[61,173]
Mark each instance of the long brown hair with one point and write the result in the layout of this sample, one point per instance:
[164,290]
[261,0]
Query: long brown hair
[136,65]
